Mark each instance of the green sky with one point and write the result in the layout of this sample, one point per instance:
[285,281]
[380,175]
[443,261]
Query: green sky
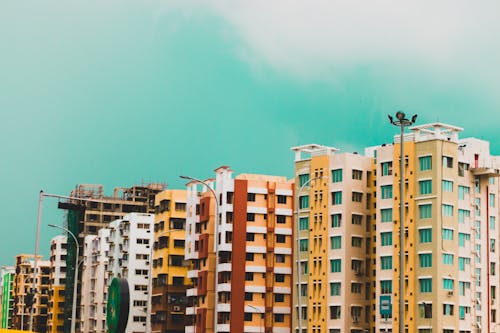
[120,92]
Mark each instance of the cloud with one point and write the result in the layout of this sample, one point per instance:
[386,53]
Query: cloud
[312,40]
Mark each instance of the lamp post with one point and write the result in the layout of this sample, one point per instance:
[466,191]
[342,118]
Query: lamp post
[259,312]
[75,286]
[216,240]
[401,122]
[297,240]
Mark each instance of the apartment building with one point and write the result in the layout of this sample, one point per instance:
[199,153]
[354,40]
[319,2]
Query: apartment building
[55,319]
[239,241]
[332,288]
[7,275]
[95,282]
[25,299]
[450,232]
[88,217]
[169,267]
[130,251]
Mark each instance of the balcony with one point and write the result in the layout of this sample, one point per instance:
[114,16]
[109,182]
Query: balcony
[222,328]
[224,267]
[192,292]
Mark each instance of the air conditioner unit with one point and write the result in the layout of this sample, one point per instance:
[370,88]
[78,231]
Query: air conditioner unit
[450,293]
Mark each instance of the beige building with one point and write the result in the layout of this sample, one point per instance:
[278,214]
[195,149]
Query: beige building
[55,319]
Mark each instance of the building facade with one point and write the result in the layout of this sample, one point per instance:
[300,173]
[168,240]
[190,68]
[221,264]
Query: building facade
[332,244]
[247,224]
[55,319]
[7,276]
[130,250]
[169,267]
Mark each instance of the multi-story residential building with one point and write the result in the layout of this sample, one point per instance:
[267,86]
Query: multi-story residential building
[240,245]
[130,251]
[332,243]
[169,267]
[95,282]
[450,232]
[96,212]
[7,275]
[55,318]
[24,297]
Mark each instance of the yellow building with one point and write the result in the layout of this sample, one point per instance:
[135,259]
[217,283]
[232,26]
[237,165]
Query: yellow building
[169,267]
[248,226]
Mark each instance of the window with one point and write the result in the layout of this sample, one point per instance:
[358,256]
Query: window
[179,243]
[425,285]
[492,223]
[386,287]
[304,268]
[335,289]
[462,191]
[462,238]
[425,211]
[386,214]
[304,245]
[248,296]
[447,234]
[462,262]
[248,316]
[447,284]
[386,168]
[280,238]
[335,312]
[386,262]
[463,214]
[462,167]
[336,265]
[425,235]
[280,258]
[357,197]
[357,174]
[447,258]
[337,175]
[425,163]
[356,241]
[303,179]
[462,287]
[447,162]
[279,318]
[386,191]
[304,202]
[447,185]
[447,210]
[279,277]
[447,311]
[250,217]
[304,223]
[279,298]
[180,206]
[250,237]
[249,256]
[492,200]
[425,312]
[282,199]
[425,259]
[248,276]
[356,288]
[425,186]
[251,197]
[386,238]
[357,219]
[337,198]
[336,242]
[280,219]
[336,220]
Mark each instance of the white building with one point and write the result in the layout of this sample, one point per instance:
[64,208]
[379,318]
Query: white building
[130,251]
[95,282]
[58,250]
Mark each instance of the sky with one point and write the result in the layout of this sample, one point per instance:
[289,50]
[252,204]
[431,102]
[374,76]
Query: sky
[124,92]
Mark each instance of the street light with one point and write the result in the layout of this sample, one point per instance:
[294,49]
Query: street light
[297,240]
[401,122]
[261,315]
[216,242]
[75,286]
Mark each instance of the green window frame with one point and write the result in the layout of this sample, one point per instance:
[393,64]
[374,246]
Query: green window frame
[303,179]
[337,176]
[304,202]
[447,234]
[447,258]
[492,223]
[386,168]
[447,185]
[386,262]
[386,286]
[335,288]
[448,284]
[462,191]
[425,259]
[386,214]
[447,210]
[462,214]
[304,223]
[425,211]
[492,200]
[386,238]
[462,238]
[304,245]
[425,186]
[425,163]
[336,220]
[386,191]
[336,265]
[336,242]
[425,285]
[425,235]
[337,198]
[462,261]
